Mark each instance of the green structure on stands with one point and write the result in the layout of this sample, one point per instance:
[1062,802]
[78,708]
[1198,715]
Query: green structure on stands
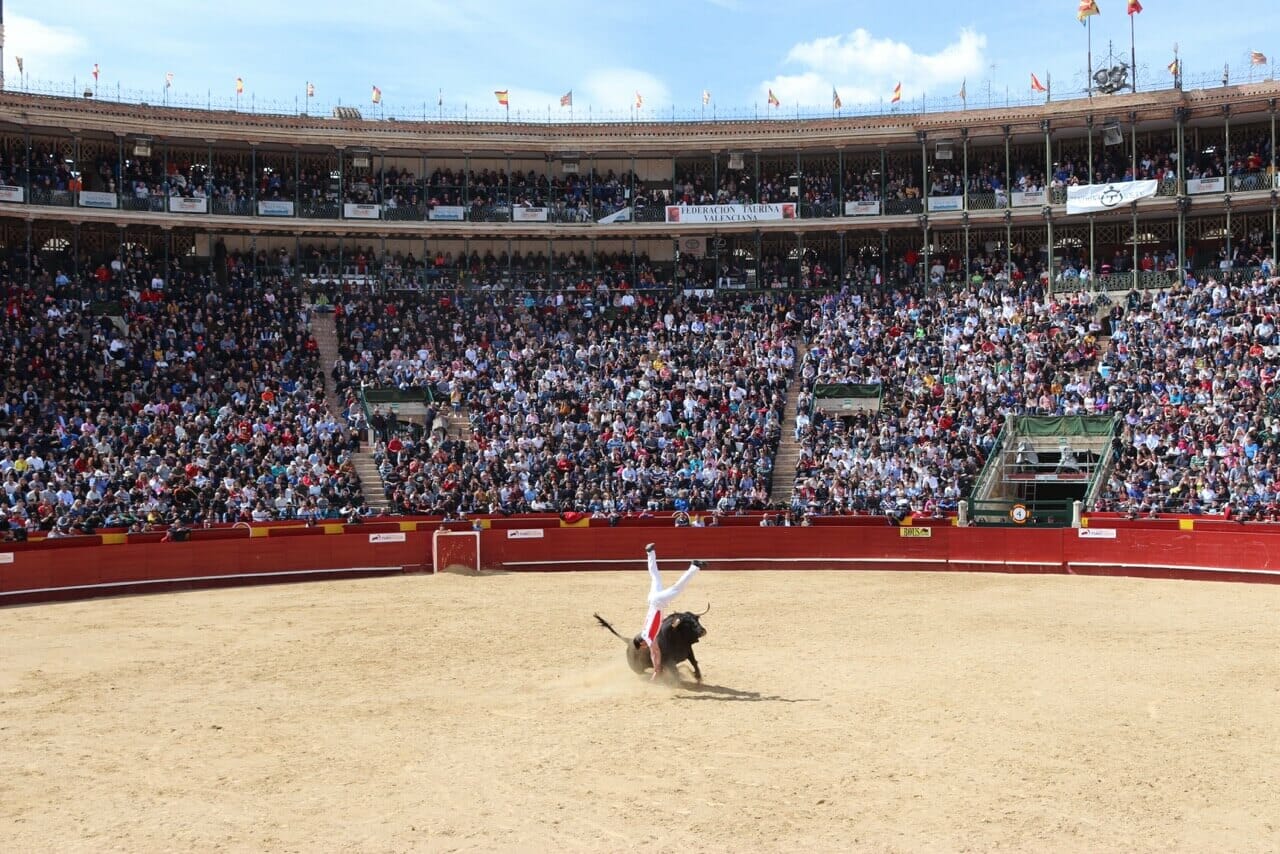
[1039,467]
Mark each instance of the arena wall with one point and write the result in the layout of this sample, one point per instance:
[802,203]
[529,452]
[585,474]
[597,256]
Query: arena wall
[105,564]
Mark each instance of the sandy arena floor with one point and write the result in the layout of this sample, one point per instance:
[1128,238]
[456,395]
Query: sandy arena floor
[842,711]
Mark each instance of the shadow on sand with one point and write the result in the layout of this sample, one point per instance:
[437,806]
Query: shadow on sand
[707,691]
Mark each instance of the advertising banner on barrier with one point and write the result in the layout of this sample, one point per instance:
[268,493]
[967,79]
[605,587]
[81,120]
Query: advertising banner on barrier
[1028,198]
[946,203]
[1206,185]
[274,208]
[387,538]
[448,213]
[11,194]
[524,534]
[1097,533]
[701,214]
[181,204]
[622,215]
[97,200]
[862,209]
[520,213]
[1092,198]
[353,211]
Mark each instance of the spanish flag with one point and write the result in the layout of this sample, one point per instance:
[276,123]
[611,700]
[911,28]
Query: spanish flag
[773,100]
[239,85]
[639,99]
[503,97]
[897,93]
[1086,9]
[1257,58]
[377,95]
[1173,68]
[1134,7]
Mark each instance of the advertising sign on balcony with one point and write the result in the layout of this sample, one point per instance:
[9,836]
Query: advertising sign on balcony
[97,200]
[352,211]
[1028,198]
[181,204]
[702,214]
[520,213]
[862,209]
[275,208]
[946,203]
[1206,185]
[1093,198]
[11,194]
[448,213]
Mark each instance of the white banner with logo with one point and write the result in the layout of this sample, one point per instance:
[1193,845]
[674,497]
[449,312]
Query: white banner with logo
[1028,198]
[946,203]
[352,211]
[97,200]
[694,246]
[1092,198]
[448,213]
[387,538]
[622,215]
[11,194]
[862,209]
[524,533]
[1206,185]
[275,208]
[1097,533]
[181,204]
[702,214]
[520,213]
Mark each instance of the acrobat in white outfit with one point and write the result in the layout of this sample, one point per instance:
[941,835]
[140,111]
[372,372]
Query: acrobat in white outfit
[659,600]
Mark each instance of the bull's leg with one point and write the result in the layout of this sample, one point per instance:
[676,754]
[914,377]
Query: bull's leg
[697,671]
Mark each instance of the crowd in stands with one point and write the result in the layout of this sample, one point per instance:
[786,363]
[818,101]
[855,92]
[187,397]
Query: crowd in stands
[597,401]
[200,403]
[587,391]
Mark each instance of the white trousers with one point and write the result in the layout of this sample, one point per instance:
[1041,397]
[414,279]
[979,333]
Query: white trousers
[659,598]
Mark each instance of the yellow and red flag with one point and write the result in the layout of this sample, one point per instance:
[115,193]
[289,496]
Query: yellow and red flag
[95,72]
[377,95]
[1036,85]
[773,100]
[1134,7]
[639,99]
[503,97]
[239,85]
[1173,67]
[1257,58]
[897,93]
[1087,8]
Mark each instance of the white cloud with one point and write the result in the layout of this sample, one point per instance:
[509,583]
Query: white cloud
[613,90]
[47,51]
[865,69]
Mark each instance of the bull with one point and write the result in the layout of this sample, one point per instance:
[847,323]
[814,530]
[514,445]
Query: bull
[676,637]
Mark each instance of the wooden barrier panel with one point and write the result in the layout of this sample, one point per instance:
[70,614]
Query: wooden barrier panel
[84,566]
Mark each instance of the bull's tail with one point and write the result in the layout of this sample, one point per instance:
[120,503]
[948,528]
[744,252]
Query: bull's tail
[602,621]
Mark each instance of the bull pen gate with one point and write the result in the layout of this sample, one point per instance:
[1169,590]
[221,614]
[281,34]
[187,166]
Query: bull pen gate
[455,549]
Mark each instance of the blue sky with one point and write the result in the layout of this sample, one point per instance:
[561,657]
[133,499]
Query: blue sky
[418,50]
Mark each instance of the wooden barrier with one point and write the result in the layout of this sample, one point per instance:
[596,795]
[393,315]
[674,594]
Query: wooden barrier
[81,566]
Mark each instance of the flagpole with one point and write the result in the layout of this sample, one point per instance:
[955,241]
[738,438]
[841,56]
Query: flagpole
[1088,68]
[1133,57]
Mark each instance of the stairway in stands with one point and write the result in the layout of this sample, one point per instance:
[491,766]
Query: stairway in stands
[783,482]
[325,332]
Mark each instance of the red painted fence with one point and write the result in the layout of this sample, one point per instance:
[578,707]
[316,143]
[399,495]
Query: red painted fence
[94,565]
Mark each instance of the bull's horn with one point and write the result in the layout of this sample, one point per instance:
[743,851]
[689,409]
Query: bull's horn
[704,613]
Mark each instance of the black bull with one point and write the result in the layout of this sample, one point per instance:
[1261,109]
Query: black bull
[676,637]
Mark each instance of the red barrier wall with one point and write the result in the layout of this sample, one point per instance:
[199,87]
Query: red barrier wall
[83,566]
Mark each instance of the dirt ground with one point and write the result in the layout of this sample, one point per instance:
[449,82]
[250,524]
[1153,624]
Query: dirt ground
[841,711]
